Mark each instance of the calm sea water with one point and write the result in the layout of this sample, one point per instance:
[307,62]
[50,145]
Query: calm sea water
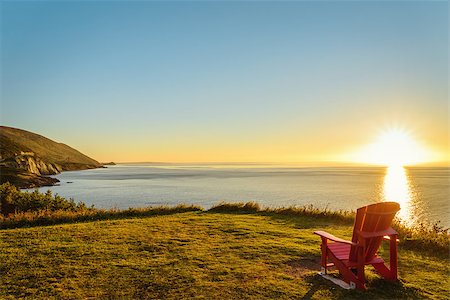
[423,193]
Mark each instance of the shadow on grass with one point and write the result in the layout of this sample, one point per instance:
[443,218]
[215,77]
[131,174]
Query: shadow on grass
[378,288]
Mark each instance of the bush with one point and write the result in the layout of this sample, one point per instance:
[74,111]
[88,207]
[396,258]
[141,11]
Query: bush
[20,209]
[424,237]
[343,216]
[239,207]
[14,201]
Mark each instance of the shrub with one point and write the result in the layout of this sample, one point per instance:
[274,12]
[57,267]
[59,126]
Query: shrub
[346,217]
[20,209]
[239,207]
[15,201]
[424,237]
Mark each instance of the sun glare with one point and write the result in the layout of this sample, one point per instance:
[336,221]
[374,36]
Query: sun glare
[394,147]
[396,187]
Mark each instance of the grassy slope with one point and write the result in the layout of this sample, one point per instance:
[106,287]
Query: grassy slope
[12,140]
[193,254]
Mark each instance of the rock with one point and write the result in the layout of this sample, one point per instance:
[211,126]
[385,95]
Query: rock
[32,164]
[29,155]
[24,179]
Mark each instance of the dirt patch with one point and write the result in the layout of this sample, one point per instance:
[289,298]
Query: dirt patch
[299,267]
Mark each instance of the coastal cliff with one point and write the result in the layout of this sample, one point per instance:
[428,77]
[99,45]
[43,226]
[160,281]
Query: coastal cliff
[30,163]
[27,159]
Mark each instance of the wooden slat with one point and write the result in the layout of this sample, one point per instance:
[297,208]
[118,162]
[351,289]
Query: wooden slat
[341,252]
[369,219]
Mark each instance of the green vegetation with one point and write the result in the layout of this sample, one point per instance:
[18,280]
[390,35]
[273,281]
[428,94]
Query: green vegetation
[25,158]
[14,140]
[232,251]
[194,254]
[424,237]
[23,209]
[309,210]
[15,201]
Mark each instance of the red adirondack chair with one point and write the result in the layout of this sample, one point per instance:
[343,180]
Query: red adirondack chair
[372,225]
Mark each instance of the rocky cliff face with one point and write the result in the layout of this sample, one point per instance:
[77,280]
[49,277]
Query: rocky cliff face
[24,179]
[29,162]
[26,158]
[21,144]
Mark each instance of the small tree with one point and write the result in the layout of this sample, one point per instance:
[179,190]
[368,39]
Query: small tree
[7,195]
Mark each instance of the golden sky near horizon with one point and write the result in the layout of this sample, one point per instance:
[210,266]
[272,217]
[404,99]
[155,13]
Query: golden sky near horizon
[341,144]
[200,81]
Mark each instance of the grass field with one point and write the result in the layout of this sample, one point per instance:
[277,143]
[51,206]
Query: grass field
[195,255]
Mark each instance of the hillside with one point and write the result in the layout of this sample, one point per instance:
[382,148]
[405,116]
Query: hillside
[196,255]
[26,157]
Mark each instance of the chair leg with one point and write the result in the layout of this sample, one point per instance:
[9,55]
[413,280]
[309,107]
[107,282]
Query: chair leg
[393,263]
[347,274]
[360,267]
[391,272]
[383,271]
[323,261]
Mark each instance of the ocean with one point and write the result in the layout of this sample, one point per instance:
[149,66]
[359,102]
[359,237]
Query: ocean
[423,193]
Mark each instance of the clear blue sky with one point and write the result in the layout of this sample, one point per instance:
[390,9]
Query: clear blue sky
[224,81]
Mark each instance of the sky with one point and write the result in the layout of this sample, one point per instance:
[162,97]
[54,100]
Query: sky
[213,81]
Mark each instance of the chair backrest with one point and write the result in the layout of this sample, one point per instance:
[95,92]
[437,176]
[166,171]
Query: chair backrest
[372,218]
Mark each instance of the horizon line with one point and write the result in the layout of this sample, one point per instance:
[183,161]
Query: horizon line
[312,163]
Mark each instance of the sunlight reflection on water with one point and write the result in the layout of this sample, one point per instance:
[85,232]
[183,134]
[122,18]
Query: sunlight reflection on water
[397,187]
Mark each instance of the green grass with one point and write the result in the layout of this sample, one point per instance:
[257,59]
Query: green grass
[22,209]
[48,217]
[429,238]
[197,254]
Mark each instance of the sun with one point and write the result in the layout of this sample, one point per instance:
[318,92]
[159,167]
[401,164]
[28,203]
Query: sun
[394,147]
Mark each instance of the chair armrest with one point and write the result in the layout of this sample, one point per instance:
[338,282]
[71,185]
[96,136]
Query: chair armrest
[331,237]
[382,233]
